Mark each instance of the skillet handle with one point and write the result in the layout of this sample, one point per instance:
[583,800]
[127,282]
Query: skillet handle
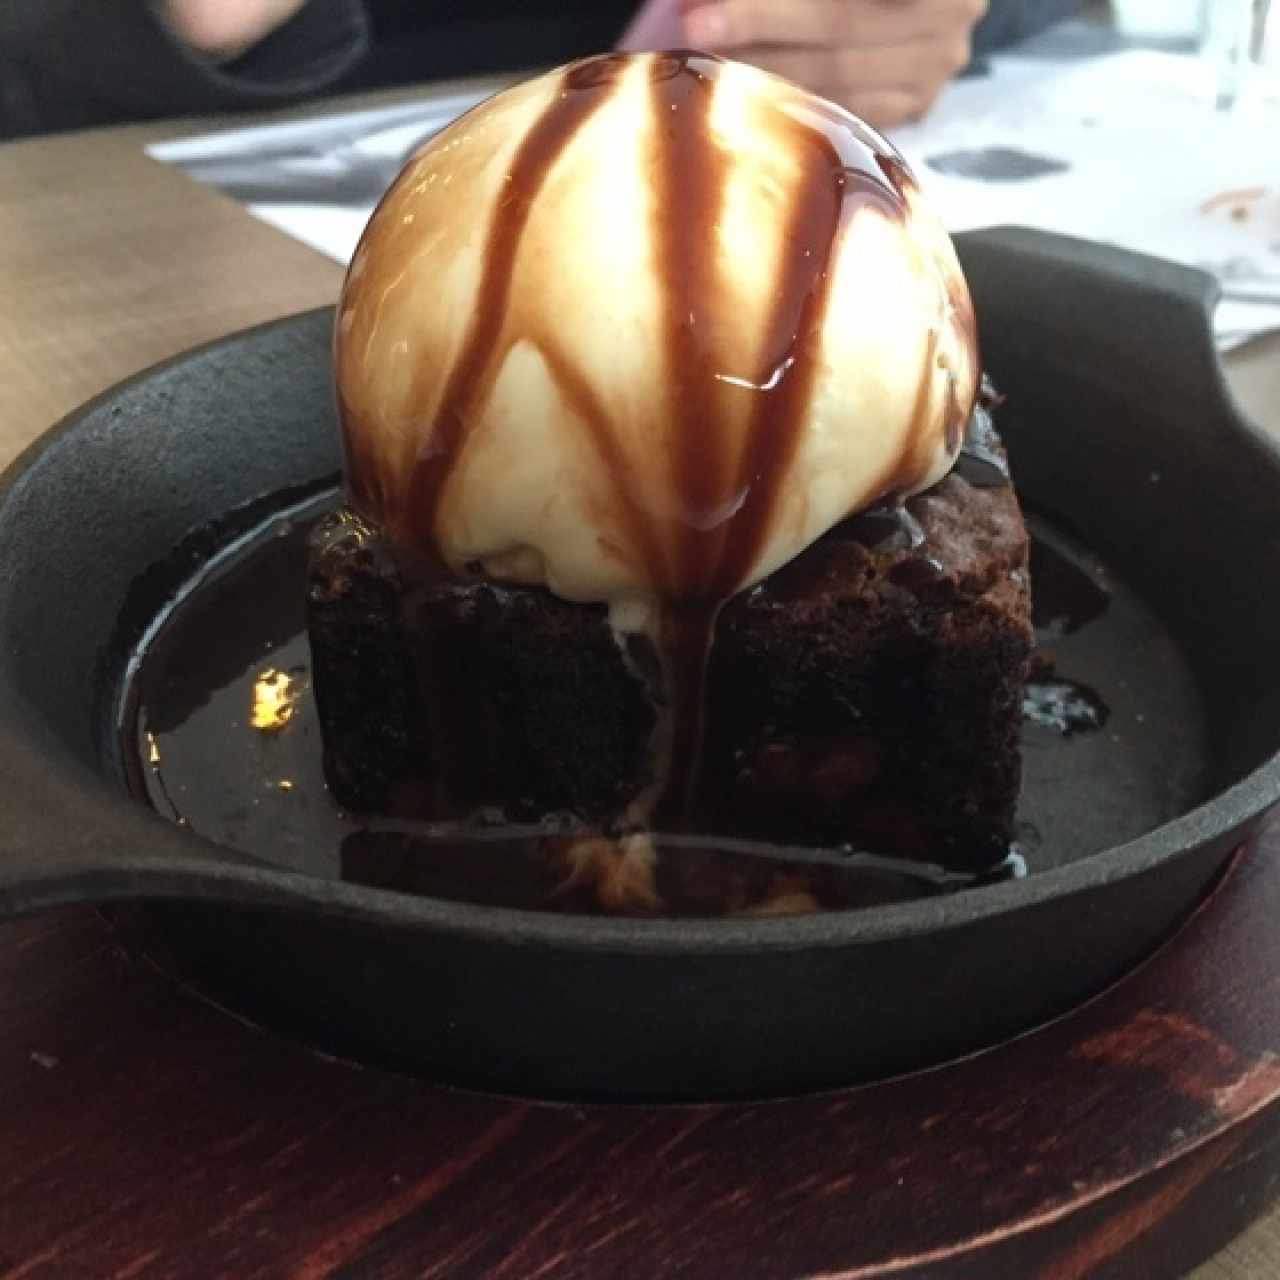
[65,838]
[1118,412]
[1040,296]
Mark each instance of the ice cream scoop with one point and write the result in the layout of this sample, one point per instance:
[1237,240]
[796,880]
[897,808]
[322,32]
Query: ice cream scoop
[643,329]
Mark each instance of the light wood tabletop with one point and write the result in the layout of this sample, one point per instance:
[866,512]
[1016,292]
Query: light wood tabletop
[110,262]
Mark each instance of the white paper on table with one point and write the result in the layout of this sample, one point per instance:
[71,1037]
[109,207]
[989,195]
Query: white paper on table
[1146,164]
[318,180]
[1143,160]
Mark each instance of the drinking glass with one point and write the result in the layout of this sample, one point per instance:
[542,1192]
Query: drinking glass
[1241,43]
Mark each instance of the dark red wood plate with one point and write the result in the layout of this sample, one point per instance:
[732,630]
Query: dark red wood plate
[147,1135]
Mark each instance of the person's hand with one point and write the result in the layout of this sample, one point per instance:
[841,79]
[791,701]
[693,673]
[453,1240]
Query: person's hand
[885,60]
[223,29]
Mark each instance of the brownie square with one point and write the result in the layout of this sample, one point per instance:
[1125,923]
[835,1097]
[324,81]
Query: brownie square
[869,693]
[866,696]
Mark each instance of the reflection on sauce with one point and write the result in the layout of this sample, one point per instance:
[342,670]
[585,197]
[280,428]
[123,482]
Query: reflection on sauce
[274,699]
[1064,706]
[641,875]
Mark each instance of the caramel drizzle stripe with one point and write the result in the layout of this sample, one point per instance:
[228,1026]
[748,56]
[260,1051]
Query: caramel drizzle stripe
[791,350]
[584,88]
[690,175]
[593,415]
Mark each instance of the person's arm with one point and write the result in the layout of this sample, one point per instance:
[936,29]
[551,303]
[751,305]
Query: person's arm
[886,60]
[67,64]
[1009,21]
[224,29]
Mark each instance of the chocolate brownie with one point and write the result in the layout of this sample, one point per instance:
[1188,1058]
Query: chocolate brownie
[866,695]
[869,693]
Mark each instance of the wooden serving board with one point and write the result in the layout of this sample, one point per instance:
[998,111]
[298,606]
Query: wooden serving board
[146,1134]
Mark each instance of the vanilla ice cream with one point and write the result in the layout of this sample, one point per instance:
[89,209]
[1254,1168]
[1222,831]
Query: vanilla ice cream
[643,329]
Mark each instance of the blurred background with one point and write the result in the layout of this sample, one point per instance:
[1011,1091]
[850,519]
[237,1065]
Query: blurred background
[1150,124]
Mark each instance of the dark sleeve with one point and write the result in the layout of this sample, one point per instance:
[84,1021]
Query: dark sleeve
[69,64]
[1008,21]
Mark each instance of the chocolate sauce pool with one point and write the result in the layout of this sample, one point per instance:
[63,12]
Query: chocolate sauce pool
[220,734]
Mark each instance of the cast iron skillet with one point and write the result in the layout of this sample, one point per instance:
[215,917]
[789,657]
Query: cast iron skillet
[1108,364]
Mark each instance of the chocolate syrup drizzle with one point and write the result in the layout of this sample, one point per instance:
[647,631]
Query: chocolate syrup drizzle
[698,556]
[586,88]
[982,460]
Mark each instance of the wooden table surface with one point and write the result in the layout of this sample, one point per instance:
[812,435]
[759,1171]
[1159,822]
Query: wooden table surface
[108,263]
